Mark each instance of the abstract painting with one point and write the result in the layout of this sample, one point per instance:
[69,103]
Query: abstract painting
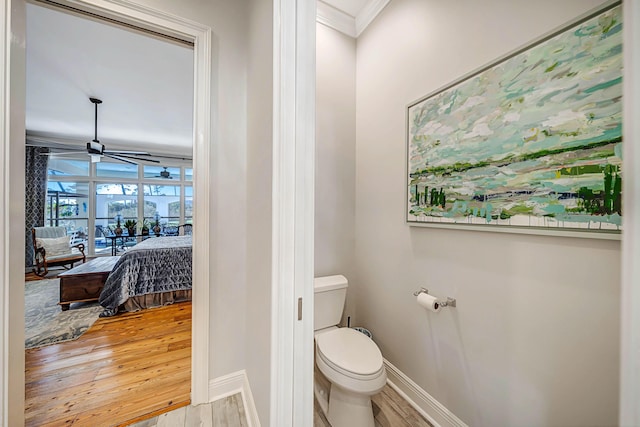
[532,141]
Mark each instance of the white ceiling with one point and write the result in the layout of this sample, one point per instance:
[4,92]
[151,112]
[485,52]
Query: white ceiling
[145,83]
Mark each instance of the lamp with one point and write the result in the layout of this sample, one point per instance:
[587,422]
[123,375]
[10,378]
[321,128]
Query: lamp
[118,219]
[156,227]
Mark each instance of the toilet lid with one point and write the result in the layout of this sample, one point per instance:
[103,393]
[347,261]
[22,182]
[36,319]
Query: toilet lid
[350,350]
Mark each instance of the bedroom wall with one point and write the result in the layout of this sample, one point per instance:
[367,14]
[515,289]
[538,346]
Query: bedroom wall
[228,255]
[335,155]
[535,337]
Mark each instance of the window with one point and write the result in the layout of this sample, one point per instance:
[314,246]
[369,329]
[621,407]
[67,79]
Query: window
[188,205]
[66,167]
[161,172]
[116,170]
[78,190]
[163,202]
[68,206]
[113,200]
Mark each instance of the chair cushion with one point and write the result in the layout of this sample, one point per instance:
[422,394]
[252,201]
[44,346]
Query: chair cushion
[74,253]
[50,232]
[54,246]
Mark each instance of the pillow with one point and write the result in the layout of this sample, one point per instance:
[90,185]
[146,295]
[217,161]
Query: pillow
[54,246]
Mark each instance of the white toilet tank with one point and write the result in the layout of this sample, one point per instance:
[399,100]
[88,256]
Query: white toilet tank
[330,293]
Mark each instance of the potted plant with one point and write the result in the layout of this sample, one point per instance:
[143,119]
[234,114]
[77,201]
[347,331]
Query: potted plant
[145,227]
[130,225]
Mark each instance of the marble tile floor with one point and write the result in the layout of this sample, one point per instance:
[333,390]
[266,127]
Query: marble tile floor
[389,409]
[227,412]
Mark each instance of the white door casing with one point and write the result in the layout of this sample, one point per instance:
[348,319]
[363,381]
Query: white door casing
[293,212]
[630,295]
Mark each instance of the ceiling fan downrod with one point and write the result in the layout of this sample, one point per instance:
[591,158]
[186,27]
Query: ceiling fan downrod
[96,148]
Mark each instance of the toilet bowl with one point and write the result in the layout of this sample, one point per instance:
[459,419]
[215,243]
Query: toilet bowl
[350,360]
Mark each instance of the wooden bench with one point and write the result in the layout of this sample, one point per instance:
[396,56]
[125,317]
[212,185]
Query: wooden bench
[85,282]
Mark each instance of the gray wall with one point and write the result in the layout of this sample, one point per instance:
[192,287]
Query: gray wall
[535,337]
[228,252]
[335,156]
[241,188]
[258,238]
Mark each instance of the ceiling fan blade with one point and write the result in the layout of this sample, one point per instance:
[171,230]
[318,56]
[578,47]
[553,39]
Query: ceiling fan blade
[162,156]
[53,142]
[117,152]
[113,156]
[158,156]
[135,158]
[66,153]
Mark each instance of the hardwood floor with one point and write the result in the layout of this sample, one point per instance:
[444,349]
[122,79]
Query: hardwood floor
[136,368]
[125,368]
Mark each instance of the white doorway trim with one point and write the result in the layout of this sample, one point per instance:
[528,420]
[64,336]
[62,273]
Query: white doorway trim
[630,295]
[12,185]
[294,69]
[12,196]
[4,306]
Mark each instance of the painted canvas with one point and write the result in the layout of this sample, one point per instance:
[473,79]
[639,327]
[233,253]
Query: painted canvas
[533,141]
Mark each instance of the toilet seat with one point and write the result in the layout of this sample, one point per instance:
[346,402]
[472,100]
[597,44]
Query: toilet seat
[350,352]
[350,360]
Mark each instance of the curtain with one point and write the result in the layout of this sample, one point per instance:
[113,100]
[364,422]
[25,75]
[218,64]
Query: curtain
[35,193]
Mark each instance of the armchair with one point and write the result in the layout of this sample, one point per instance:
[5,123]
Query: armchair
[185,229]
[171,230]
[51,248]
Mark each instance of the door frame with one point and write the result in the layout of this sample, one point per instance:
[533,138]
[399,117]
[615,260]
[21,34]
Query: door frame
[12,128]
[630,289]
[293,186]
[12,181]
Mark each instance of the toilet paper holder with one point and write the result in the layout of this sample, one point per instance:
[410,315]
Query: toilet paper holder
[450,302]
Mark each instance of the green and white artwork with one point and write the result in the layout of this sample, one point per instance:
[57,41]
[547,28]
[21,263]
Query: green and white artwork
[534,140]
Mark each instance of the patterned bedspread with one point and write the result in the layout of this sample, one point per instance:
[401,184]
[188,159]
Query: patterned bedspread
[158,264]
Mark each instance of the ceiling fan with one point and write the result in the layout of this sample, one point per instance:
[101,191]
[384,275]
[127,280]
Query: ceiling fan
[97,150]
[164,173]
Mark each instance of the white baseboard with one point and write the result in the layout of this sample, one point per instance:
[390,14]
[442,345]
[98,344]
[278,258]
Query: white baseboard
[420,400]
[230,384]
[249,404]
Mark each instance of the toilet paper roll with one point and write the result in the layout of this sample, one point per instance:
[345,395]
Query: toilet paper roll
[429,302]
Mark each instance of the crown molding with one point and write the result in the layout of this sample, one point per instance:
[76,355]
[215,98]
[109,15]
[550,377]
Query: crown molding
[336,19]
[346,24]
[368,14]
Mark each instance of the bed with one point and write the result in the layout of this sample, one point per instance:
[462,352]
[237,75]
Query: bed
[156,271]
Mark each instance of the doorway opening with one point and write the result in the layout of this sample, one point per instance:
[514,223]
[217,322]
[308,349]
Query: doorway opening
[200,36]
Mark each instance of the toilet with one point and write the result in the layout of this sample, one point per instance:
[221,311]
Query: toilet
[350,360]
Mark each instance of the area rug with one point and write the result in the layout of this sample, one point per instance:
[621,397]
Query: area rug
[46,323]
